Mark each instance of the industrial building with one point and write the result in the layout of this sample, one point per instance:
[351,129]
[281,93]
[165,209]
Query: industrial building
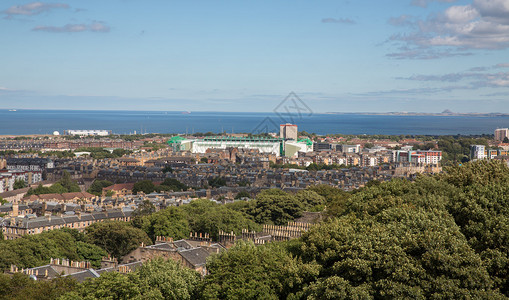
[87,132]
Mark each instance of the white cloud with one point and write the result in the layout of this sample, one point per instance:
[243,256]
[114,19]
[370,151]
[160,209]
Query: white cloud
[483,24]
[93,27]
[33,8]
[460,14]
[474,78]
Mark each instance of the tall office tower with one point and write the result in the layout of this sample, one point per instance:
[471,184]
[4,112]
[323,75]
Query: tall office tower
[501,133]
[288,131]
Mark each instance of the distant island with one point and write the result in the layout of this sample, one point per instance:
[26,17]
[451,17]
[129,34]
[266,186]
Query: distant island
[446,112]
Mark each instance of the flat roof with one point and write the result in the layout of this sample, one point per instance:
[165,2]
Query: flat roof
[241,139]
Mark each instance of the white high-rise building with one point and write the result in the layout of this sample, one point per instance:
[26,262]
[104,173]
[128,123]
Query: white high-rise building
[477,152]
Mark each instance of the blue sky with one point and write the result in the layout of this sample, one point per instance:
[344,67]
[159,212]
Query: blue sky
[345,56]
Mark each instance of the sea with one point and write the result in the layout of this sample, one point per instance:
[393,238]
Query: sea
[25,122]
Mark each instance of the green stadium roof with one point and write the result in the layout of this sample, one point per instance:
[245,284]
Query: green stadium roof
[175,140]
[307,141]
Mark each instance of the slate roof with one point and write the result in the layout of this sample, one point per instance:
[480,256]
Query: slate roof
[99,215]
[30,223]
[84,275]
[182,244]
[196,256]
[162,246]
[86,217]
[71,219]
[115,213]
[42,270]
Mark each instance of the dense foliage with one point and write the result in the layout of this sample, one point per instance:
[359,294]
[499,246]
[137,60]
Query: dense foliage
[199,216]
[250,272]
[437,237]
[97,186]
[64,185]
[217,182]
[156,279]
[36,250]
[19,184]
[20,286]
[116,237]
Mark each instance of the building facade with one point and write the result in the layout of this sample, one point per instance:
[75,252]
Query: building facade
[264,145]
[501,134]
[477,152]
[87,132]
[288,131]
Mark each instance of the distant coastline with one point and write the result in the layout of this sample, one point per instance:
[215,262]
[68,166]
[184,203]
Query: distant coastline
[442,114]
[445,113]
[43,122]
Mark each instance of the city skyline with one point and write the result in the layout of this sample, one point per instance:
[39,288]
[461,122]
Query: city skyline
[343,56]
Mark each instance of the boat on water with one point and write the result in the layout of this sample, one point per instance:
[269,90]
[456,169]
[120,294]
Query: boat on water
[186,112]
[12,110]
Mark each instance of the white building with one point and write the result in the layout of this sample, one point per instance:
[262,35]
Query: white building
[7,178]
[292,148]
[349,148]
[431,157]
[264,145]
[88,132]
[477,152]
[426,157]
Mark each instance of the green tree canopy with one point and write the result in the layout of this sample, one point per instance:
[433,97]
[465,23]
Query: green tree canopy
[68,184]
[64,185]
[19,184]
[154,280]
[170,222]
[116,237]
[167,279]
[36,250]
[208,217]
[310,200]
[145,186]
[20,286]
[97,187]
[242,194]
[110,286]
[247,271]
[172,184]
[275,207]
[217,182]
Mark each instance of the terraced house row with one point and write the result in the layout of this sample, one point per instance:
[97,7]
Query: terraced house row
[16,227]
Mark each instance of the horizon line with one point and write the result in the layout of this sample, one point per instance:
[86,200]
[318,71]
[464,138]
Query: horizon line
[272,112]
